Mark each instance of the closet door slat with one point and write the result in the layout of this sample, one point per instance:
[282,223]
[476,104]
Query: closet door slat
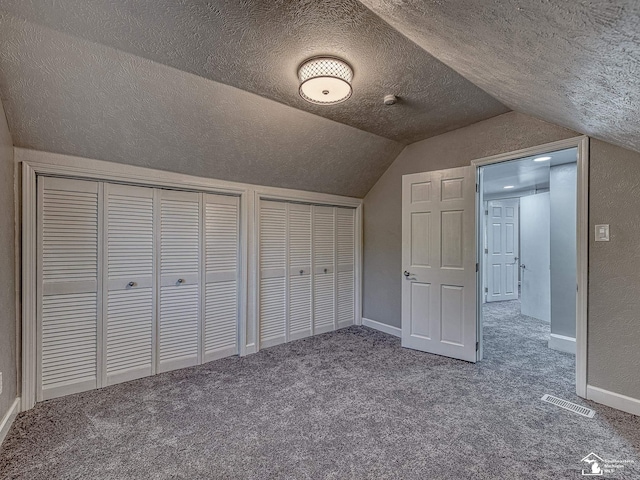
[300,300]
[273,241]
[129,314]
[221,255]
[324,251]
[345,221]
[179,309]
[68,281]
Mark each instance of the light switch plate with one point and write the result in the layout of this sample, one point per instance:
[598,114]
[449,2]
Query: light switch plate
[602,233]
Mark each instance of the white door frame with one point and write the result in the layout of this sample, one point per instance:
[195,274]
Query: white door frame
[31,163]
[582,239]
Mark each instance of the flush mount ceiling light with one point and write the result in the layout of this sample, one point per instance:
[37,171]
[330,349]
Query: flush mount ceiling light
[541,159]
[325,80]
[508,187]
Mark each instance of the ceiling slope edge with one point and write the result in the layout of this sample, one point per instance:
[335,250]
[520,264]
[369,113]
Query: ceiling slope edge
[71,96]
[575,71]
[258,46]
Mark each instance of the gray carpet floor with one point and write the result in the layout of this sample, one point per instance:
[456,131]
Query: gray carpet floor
[350,404]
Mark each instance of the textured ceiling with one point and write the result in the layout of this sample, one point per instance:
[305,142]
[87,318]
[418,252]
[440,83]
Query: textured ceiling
[573,63]
[67,95]
[257,46]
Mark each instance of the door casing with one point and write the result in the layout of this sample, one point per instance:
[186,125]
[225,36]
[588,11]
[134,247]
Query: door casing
[582,238]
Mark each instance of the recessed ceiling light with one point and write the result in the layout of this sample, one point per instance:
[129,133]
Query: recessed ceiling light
[508,186]
[541,159]
[325,80]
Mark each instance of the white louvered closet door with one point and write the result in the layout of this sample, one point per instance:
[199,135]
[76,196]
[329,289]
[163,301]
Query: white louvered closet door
[345,239]
[69,285]
[324,305]
[273,255]
[221,225]
[179,309]
[128,312]
[299,245]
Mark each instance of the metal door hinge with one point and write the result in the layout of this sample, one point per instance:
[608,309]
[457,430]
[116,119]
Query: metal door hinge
[486,289]
[476,267]
[486,212]
[486,250]
[476,187]
[477,346]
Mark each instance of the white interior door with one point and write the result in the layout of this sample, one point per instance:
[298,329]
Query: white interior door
[69,282]
[535,249]
[179,312]
[502,250]
[221,307]
[129,313]
[438,259]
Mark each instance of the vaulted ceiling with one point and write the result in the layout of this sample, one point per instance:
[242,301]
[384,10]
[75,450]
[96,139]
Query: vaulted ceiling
[575,63]
[210,87]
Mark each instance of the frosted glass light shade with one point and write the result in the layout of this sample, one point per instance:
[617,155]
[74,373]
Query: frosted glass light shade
[325,80]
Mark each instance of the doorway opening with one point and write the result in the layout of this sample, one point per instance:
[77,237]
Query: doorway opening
[527,234]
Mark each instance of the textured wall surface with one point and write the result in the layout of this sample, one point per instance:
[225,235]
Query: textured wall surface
[383,206]
[66,95]
[614,270]
[574,63]
[7,271]
[563,182]
[258,45]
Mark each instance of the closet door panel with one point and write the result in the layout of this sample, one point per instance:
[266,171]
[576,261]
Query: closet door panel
[300,299]
[179,309]
[129,315]
[273,255]
[221,276]
[68,282]
[345,221]
[324,306]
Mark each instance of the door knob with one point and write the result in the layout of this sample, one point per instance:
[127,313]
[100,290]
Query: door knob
[406,273]
[181,280]
[301,272]
[131,284]
[523,266]
[325,270]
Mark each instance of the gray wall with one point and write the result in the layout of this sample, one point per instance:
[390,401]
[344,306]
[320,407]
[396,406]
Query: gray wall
[562,189]
[7,271]
[383,209]
[614,270]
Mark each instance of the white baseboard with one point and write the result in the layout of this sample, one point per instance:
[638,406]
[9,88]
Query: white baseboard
[614,400]
[8,419]
[383,327]
[562,343]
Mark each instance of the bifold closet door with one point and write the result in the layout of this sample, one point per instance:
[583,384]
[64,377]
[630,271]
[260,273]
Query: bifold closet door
[221,276]
[273,263]
[128,314]
[300,316]
[69,273]
[345,237]
[324,256]
[179,308]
